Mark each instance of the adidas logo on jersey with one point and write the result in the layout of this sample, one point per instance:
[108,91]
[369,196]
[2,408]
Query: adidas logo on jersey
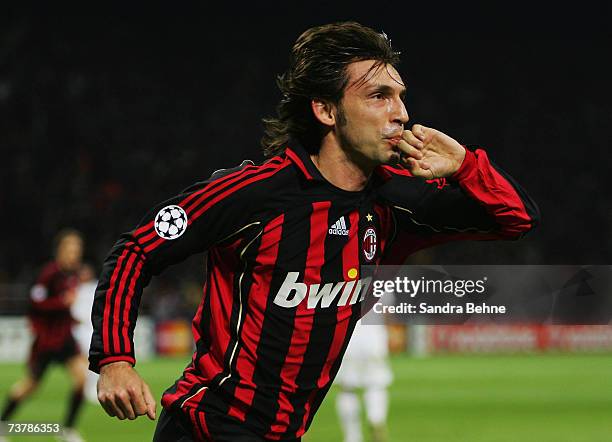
[339,228]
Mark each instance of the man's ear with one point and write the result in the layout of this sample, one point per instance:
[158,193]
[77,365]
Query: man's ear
[323,111]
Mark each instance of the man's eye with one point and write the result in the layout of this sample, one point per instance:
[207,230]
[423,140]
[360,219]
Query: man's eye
[378,96]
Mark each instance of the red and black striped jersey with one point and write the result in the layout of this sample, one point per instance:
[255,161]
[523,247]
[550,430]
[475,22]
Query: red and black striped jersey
[283,286]
[49,314]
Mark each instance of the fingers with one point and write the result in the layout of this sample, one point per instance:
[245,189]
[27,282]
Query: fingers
[124,403]
[127,403]
[420,168]
[428,171]
[109,408]
[409,150]
[150,401]
[422,139]
[117,404]
[419,130]
[138,401]
[109,405]
[104,399]
[412,140]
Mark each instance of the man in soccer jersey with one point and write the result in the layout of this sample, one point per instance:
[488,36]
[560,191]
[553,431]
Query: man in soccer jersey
[50,300]
[346,184]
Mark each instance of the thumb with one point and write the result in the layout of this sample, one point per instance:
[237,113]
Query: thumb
[415,169]
[428,171]
[149,400]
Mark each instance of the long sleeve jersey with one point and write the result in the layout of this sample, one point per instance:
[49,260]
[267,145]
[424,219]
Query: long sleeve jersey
[283,286]
[49,314]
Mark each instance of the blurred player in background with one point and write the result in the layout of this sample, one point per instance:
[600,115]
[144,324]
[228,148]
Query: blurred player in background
[51,321]
[81,312]
[365,369]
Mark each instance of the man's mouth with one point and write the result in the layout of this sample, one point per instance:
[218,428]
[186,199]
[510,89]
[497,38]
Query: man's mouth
[394,141]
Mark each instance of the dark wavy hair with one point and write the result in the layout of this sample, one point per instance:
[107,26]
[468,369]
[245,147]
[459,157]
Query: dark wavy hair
[318,69]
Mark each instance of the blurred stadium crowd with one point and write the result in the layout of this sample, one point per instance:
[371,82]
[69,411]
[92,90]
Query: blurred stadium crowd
[101,118]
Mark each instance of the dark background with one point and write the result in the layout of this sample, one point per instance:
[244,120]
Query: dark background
[105,113]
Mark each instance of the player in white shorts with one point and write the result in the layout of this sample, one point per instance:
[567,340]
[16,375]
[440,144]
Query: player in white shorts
[81,311]
[365,368]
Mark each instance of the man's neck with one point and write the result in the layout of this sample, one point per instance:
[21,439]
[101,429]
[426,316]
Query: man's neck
[339,169]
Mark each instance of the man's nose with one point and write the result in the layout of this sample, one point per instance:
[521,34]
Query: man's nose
[400,114]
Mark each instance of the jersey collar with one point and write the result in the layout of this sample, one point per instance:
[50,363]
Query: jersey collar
[301,158]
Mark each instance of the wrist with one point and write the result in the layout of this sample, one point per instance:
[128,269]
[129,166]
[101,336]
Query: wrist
[111,360]
[460,158]
[115,365]
[468,165]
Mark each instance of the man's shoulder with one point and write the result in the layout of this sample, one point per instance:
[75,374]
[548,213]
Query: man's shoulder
[218,174]
[49,271]
[247,178]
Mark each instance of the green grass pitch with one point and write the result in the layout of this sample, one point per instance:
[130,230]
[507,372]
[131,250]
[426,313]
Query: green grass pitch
[442,398]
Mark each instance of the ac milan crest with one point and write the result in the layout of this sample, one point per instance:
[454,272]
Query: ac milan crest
[369,244]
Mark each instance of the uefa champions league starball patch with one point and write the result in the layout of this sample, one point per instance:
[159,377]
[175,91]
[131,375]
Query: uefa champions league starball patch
[369,244]
[171,222]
